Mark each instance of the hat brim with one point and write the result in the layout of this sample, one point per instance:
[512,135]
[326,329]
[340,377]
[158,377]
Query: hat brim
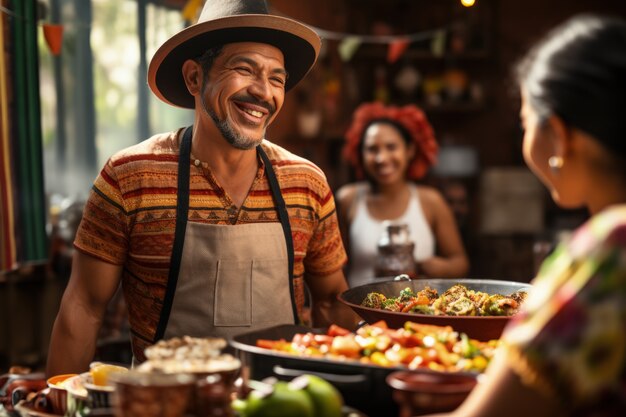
[299,43]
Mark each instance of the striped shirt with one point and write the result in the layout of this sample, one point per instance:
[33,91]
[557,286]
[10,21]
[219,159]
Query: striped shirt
[130,219]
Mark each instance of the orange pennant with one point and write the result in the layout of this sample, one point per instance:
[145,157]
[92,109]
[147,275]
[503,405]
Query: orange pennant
[54,37]
[396,49]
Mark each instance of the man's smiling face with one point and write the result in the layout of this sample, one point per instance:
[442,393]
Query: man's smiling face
[244,91]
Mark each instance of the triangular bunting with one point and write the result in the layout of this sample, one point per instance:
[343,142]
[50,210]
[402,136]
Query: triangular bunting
[396,49]
[438,43]
[54,37]
[348,47]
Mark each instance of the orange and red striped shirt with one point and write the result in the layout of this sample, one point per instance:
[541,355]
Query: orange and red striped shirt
[130,219]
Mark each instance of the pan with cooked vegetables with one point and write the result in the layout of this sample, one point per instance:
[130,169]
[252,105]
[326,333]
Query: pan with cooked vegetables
[457,300]
[479,308]
[414,346]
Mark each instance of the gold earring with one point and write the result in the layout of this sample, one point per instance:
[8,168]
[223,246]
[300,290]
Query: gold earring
[555,163]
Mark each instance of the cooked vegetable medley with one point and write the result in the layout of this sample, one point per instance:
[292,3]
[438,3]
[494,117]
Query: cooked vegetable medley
[458,300]
[415,346]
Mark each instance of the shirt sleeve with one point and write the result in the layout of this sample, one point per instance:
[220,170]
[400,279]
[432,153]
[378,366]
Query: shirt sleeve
[103,229]
[569,338]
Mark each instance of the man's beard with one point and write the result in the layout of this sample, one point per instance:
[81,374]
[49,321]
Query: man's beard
[236,140]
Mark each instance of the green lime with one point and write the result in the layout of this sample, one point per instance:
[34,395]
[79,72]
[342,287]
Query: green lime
[240,406]
[283,402]
[327,400]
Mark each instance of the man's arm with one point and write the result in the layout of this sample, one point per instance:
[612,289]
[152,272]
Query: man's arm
[92,284]
[326,308]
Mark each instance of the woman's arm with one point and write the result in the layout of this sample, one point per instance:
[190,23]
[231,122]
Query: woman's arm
[450,260]
[345,207]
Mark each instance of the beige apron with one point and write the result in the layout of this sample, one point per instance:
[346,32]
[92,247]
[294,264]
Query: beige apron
[225,280]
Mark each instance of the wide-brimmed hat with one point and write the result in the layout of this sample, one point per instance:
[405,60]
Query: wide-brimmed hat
[228,21]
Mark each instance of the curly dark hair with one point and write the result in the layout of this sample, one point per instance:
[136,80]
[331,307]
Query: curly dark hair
[412,124]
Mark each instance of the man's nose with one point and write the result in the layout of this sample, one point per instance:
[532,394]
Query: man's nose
[261,88]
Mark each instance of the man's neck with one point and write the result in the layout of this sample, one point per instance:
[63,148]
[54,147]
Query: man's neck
[234,169]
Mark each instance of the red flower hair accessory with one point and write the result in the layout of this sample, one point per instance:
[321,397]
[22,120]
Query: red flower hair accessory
[411,117]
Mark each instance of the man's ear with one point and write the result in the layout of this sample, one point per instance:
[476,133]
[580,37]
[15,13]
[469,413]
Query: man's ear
[192,74]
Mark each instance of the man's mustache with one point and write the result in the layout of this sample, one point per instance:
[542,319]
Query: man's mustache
[251,100]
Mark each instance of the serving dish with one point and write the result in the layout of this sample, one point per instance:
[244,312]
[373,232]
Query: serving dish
[25,409]
[477,327]
[362,385]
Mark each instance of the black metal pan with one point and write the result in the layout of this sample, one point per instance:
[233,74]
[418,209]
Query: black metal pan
[476,327]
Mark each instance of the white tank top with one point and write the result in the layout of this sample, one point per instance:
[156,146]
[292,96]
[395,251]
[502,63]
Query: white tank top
[365,232]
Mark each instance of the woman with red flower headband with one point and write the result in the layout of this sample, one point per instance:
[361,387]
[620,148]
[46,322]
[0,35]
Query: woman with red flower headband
[391,148]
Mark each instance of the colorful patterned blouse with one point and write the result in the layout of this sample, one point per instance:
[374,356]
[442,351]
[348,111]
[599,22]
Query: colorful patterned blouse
[130,219]
[570,336]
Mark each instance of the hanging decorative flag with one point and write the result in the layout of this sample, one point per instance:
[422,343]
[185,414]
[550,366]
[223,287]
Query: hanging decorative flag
[54,37]
[190,11]
[438,43]
[348,47]
[396,49]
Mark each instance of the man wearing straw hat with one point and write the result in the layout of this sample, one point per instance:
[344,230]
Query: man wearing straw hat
[211,230]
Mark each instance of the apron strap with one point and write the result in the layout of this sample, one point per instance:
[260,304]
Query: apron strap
[182,207]
[284,220]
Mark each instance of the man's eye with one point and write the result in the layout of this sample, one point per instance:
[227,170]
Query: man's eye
[278,80]
[243,70]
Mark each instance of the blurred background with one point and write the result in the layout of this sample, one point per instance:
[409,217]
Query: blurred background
[73,89]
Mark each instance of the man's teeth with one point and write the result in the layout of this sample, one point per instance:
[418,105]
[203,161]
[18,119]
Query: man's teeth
[254,113]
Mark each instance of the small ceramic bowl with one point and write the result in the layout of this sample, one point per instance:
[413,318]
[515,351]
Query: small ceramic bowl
[76,396]
[98,396]
[153,394]
[428,392]
[58,393]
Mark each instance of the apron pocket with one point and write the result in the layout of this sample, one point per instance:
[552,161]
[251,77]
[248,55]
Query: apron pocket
[233,293]
[271,298]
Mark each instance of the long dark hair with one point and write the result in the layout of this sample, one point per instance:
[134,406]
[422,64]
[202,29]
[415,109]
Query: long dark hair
[578,72]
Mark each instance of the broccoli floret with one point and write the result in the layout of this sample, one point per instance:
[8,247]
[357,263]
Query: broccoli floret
[406,294]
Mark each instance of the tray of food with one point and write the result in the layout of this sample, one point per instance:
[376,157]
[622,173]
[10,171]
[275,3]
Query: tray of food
[480,308]
[359,362]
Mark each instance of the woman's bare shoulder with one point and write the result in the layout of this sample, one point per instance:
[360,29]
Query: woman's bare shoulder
[347,192]
[429,195]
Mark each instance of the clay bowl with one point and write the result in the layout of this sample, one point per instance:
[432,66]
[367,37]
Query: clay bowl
[429,392]
[58,393]
[154,394]
[476,327]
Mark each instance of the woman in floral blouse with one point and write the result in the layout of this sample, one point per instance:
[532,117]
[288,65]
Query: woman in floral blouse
[565,353]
